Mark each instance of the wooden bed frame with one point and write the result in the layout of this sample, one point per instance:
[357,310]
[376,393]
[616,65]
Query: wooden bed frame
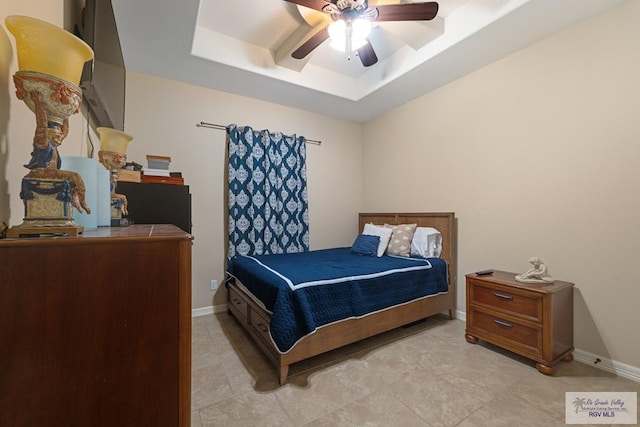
[255,319]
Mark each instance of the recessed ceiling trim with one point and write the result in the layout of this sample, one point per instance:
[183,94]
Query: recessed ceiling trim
[219,48]
[477,32]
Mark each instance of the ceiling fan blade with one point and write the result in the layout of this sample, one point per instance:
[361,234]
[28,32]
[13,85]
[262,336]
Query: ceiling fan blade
[407,11]
[367,55]
[311,4]
[315,41]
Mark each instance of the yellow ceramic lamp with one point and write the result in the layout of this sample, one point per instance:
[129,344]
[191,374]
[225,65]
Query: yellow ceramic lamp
[45,48]
[50,62]
[113,140]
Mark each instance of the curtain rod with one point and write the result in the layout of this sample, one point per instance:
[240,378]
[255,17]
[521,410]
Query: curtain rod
[221,127]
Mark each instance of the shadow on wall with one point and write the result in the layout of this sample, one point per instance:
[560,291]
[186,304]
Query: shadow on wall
[6,55]
[586,334]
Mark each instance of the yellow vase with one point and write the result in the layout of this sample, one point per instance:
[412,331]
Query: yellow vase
[113,140]
[48,49]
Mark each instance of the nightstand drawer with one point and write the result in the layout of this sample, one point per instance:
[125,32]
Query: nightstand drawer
[512,301]
[499,328]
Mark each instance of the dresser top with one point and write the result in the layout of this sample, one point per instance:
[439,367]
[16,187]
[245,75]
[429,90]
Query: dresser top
[107,234]
[509,279]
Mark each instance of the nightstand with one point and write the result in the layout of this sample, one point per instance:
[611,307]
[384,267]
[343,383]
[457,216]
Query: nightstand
[534,320]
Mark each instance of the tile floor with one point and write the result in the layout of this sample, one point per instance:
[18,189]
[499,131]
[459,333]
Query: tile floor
[423,375]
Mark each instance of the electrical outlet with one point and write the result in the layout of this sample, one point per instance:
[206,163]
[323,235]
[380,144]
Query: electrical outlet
[214,285]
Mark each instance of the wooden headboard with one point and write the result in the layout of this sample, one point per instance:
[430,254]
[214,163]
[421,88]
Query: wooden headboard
[444,222]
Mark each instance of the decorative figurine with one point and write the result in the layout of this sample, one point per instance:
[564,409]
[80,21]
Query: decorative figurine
[45,160]
[113,156]
[50,62]
[537,274]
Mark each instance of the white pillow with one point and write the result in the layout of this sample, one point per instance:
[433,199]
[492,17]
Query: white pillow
[382,232]
[427,242]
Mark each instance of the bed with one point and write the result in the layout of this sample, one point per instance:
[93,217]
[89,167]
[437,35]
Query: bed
[297,336]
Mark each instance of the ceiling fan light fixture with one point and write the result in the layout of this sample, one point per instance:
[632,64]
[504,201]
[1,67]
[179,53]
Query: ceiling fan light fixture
[359,29]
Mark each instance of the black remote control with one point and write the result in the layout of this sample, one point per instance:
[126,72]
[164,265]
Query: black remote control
[484,272]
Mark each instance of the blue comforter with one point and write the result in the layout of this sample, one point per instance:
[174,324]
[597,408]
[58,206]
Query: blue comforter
[307,290]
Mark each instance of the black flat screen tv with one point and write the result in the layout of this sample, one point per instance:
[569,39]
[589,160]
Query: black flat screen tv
[103,80]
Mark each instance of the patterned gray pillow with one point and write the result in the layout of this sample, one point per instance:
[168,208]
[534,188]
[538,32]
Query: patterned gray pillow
[401,236]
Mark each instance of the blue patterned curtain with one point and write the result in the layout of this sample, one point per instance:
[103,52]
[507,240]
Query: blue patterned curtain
[268,207]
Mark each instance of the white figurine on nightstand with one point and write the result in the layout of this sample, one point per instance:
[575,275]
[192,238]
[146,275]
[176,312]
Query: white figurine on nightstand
[537,274]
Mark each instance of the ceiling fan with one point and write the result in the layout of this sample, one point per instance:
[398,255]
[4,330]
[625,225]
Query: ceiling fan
[350,14]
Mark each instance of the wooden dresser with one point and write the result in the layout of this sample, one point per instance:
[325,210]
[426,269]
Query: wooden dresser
[96,330]
[534,320]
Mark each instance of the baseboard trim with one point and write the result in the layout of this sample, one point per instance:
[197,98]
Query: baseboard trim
[202,311]
[606,364]
[212,309]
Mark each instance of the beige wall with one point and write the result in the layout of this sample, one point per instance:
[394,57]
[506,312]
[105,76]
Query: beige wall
[538,155]
[162,115]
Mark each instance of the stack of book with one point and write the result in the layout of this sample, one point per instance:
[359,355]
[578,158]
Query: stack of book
[127,175]
[157,171]
[158,162]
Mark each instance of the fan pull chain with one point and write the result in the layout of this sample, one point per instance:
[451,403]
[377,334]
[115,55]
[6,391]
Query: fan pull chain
[348,41]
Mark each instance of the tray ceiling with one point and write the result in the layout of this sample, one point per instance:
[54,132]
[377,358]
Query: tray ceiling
[244,47]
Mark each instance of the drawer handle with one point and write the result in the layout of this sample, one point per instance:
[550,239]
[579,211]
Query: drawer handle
[503,296]
[503,324]
[262,327]
[236,300]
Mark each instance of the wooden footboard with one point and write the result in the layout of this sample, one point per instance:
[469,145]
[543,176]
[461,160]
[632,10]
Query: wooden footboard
[255,319]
